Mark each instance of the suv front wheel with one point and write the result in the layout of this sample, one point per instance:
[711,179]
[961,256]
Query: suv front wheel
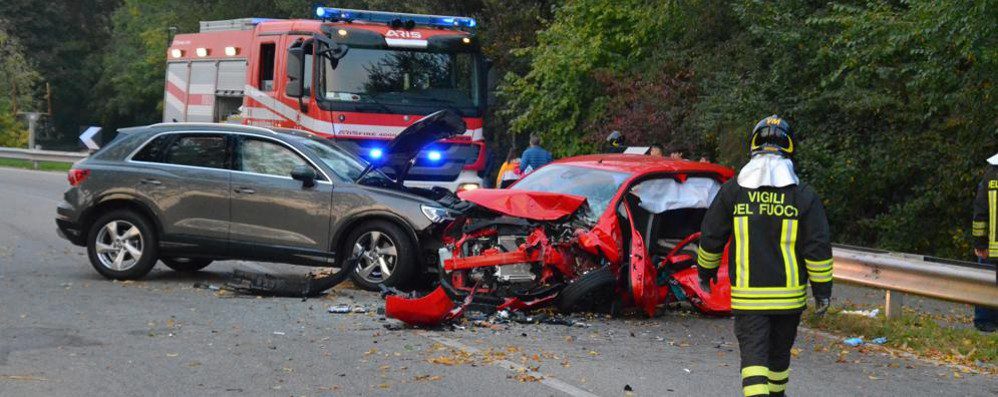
[384,254]
[122,245]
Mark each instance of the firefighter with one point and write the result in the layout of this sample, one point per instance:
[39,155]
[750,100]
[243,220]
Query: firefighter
[780,242]
[986,236]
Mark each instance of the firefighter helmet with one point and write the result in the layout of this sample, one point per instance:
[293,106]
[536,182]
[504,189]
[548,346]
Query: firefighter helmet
[772,135]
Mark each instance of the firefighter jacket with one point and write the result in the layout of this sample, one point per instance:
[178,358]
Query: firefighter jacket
[984,228]
[779,242]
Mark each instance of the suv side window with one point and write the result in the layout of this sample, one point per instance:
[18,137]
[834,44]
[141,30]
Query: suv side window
[266,157]
[209,151]
[153,151]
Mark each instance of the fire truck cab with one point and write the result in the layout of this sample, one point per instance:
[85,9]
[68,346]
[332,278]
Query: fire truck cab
[355,77]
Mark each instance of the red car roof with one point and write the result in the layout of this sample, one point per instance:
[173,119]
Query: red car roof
[643,164]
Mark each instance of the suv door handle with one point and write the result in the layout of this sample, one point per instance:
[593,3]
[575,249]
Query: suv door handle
[150,181]
[245,190]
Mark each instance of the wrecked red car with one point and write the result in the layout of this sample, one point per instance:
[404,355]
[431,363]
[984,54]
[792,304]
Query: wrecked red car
[589,233]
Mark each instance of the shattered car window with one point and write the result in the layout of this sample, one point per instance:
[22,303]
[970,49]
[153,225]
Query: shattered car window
[597,186]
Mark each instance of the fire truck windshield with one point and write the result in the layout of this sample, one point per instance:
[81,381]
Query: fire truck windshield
[403,81]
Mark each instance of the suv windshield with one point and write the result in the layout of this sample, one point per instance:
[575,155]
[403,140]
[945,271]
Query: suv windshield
[597,186]
[346,165]
[396,77]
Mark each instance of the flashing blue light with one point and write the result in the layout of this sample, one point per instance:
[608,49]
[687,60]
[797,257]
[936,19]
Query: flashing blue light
[389,17]
[434,155]
[375,153]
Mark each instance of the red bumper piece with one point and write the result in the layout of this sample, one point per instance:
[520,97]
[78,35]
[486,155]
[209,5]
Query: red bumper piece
[432,309]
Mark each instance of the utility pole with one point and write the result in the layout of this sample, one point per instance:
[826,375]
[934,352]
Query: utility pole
[13,85]
[48,97]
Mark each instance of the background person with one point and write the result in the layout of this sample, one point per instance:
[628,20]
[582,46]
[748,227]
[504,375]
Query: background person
[781,241]
[534,157]
[509,172]
[656,150]
[986,237]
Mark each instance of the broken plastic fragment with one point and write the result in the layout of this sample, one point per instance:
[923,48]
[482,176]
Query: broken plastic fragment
[853,341]
[339,309]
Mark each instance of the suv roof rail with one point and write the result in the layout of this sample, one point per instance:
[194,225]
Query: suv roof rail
[220,126]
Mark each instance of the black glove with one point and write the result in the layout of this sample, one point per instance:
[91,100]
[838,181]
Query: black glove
[821,306]
[706,277]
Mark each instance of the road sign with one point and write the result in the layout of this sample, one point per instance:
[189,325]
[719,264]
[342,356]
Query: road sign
[87,137]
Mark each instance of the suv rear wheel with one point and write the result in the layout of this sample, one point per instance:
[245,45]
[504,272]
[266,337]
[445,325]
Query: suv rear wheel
[384,255]
[186,265]
[122,245]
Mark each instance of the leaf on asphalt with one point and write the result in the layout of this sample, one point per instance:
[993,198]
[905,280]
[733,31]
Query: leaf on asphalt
[795,352]
[524,378]
[427,378]
[370,352]
[874,377]
[593,353]
[172,354]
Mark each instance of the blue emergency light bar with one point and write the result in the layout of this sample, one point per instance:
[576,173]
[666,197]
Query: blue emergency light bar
[440,21]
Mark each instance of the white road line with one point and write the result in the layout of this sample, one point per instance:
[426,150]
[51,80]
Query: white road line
[545,380]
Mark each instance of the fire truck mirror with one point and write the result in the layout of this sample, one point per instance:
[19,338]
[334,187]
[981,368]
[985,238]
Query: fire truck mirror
[295,86]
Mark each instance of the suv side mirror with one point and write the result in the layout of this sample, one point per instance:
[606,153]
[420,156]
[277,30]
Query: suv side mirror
[305,174]
[295,87]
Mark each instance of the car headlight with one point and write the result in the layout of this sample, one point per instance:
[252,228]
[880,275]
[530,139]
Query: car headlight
[435,214]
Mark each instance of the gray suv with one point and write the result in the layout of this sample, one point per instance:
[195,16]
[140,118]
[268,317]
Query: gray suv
[187,194]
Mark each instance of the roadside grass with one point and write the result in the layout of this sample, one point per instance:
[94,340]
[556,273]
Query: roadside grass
[917,333]
[42,165]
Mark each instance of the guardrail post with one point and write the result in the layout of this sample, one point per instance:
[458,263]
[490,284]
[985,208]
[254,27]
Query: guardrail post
[894,301]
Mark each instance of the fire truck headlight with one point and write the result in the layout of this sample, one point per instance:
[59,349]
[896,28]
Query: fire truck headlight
[342,32]
[231,51]
[176,53]
[467,186]
[202,52]
[466,40]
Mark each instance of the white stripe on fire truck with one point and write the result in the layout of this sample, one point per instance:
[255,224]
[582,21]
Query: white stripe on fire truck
[262,114]
[177,81]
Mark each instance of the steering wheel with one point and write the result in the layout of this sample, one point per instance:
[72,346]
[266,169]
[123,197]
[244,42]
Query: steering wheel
[676,255]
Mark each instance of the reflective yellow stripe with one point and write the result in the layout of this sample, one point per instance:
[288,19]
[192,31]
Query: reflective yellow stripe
[820,277]
[741,251]
[781,375]
[775,388]
[788,240]
[754,370]
[768,292]
[818,266]
[768,304]
[992,199]
[707,259]
[756,390]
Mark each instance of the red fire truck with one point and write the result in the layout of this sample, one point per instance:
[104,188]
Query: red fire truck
[356,77]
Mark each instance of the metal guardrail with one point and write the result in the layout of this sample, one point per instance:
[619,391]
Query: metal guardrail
[35,155]
[954,281]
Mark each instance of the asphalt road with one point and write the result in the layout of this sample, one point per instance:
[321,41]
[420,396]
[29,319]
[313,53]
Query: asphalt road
[66,331]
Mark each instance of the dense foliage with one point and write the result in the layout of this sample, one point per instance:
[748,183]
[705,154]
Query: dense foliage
[893,100]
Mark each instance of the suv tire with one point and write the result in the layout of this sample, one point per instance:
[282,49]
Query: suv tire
[378,246]
[186,265]
[122,245]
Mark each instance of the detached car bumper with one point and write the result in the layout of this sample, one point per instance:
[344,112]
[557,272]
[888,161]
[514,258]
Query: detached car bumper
[68,227]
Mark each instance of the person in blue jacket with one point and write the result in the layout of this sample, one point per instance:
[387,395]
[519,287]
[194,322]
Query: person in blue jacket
[534,157]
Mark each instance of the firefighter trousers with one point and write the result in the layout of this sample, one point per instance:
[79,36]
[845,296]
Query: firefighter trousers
[765,342]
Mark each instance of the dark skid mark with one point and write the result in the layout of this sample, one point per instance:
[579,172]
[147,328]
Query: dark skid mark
[35,338]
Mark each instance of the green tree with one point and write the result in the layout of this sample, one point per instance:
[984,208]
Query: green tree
[16,88]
